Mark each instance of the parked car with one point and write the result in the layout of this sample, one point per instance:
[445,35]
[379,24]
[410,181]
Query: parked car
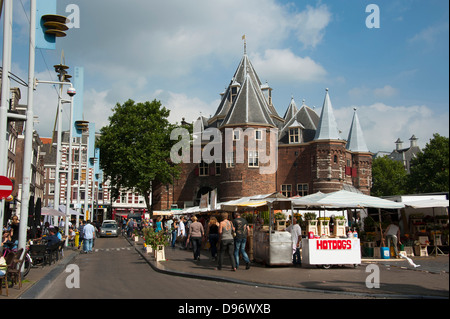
[109,229]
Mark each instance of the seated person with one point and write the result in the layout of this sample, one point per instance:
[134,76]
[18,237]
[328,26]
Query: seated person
[52,238]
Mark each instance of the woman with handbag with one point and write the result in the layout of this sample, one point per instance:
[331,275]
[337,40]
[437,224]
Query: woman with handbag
[226,231]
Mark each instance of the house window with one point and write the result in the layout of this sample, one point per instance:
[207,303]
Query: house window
[218,168]
[52,173]
[258,135]
[286,190]
[302,189]
[51,189]
[203,169]
[335,159]
[294,135]
[253,159]
[229,159]
[236,135]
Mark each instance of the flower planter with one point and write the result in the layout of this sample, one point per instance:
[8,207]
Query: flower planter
[159,253]
[280,225]
[312,227]
[324,227]
[339,228]
[149,249]
[136,238]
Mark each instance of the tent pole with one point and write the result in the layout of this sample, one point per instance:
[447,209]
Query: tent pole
[381,228]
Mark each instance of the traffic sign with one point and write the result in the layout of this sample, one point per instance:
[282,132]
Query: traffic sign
[6,187]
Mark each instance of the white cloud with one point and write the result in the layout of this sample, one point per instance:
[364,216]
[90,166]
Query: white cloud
[430,34]
[311,24]
[284,66]
[382,124]
[183,106]
[386,91]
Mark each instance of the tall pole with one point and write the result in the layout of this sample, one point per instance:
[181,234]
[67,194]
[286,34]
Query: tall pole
[57,195]
[7,36]
[28,146]
[69,175]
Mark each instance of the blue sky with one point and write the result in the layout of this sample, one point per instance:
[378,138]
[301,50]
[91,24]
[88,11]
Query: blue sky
[184,53]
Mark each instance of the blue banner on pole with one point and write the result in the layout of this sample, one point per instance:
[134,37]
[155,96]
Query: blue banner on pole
[44,40]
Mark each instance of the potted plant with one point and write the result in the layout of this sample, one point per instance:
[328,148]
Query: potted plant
[280,220]
[339,226]
[148,231]
[158,240]
[136,235]
[312,223]
[324,226]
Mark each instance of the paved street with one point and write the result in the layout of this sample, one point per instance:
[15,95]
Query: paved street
[120,270]
[116,270]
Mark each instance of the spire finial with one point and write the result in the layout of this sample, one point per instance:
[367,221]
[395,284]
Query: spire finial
[245,44]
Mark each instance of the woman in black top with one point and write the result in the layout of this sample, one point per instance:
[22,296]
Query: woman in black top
[213,236]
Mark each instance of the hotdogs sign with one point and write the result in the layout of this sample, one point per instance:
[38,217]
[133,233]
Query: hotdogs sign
[325,244]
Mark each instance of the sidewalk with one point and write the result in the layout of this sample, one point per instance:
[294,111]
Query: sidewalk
[402,280]
[39,277]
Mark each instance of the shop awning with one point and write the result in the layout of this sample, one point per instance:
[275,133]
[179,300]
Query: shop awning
[427,203]
[344,199]
[48,211]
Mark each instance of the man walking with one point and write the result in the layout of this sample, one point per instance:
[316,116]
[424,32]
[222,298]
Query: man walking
[89,233]
[242,229]
[296,235]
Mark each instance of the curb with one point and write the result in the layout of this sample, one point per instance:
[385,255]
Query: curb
[40,286]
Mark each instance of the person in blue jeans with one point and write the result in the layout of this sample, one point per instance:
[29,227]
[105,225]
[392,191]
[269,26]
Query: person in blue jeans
[242,229]
[89,234]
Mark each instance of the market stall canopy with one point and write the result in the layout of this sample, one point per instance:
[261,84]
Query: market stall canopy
[162,213]
[427,203]
[48,211]
[62,208]
[345,199]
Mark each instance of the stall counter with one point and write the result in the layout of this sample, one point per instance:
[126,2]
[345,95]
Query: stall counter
[331,251]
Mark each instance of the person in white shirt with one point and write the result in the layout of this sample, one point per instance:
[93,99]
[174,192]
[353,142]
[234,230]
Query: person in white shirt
[296,235]
[88,237]
[393,234]
[182,233]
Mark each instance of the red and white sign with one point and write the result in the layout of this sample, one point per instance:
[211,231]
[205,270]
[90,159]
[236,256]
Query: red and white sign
[6,187]
[331,251]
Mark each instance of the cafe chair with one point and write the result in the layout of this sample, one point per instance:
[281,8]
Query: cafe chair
[4,278]
[16,266]
[39,252]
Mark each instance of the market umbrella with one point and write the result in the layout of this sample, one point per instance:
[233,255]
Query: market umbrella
[62,208]
[48,211]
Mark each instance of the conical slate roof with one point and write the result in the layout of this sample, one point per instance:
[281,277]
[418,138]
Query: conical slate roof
[248,108]
[250,105]
[291,110]
[327,129]
[355,141]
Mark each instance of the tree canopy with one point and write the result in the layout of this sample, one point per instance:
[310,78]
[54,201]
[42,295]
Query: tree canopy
[135,148]
[388,176]
[429,171]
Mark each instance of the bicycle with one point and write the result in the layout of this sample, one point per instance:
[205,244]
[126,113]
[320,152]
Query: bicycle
[8,247]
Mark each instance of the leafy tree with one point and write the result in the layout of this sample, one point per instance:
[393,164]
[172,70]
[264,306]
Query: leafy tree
[429,171]
[135,148]
[389,177]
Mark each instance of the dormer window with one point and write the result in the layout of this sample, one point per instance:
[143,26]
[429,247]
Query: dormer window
[294,135]
[235,86]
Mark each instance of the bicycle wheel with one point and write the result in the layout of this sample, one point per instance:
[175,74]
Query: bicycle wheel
[27,265]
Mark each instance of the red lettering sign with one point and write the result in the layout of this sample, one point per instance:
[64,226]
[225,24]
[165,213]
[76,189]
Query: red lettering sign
[325,244]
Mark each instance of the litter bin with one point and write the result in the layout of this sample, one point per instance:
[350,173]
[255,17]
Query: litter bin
[384,251]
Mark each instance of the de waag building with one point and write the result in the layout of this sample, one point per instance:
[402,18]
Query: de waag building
[302,151]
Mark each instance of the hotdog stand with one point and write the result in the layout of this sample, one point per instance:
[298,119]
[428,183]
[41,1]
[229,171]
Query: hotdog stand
[270,246]
[324,249]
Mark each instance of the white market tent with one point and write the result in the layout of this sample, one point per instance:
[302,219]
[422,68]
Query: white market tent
[427,203]
[48,211]
[62,208]
[344,199]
